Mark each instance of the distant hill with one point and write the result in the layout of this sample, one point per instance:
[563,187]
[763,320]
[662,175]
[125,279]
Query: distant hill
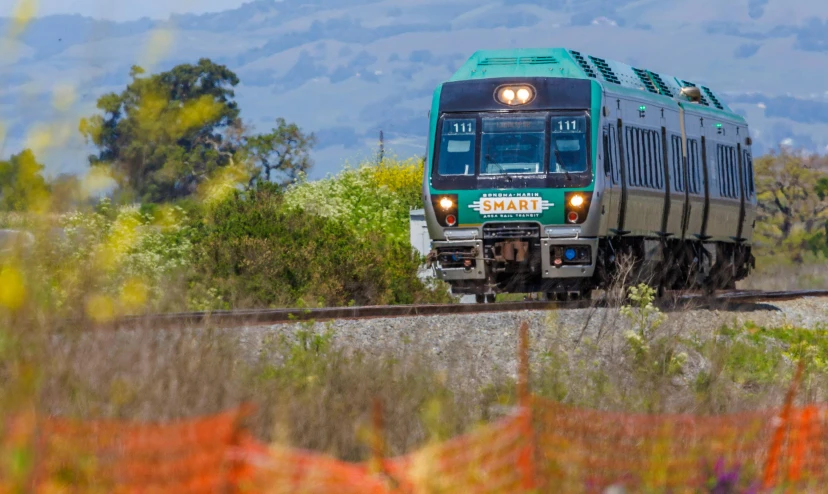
[346,69]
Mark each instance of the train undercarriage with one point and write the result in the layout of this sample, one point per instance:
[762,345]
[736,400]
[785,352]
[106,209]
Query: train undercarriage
[519,260]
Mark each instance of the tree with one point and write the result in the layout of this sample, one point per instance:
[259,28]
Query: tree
[283,151]
[67,192]
[22,186]
[166,133]
[792,191]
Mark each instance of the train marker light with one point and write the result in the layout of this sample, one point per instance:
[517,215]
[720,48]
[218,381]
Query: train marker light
[577,201]
[572,216]
[451,220]
[516,94]
[446,203]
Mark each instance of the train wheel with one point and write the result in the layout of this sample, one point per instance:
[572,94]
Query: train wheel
[480,298]
[490,298]
[585,294]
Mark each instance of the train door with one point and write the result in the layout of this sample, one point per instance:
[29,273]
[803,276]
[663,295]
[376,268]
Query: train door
[708,174]
[612,177]
[682,158]
[750,193]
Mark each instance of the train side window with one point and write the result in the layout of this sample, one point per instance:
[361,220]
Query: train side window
[659,151]
[651,158]
[651,144]
[616,174]
[628,153]
[698,173]
[607,170]
[632,163]
[642,158]
[645,157]
[748,163]
[636,177]
[720,170]
[642,163]
[735,189]
[692,184]
[678,164]
[718,167]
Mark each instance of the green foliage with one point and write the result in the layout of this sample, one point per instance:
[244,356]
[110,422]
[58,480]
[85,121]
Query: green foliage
[652,352]
[168,133]
[254,250]
[162,135]
[22,186]
[792,191]
[129,255]
[283,152]
[369,198]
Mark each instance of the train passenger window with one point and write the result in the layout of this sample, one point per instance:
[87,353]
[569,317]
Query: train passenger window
[647,159]
[515,145]
[718,165]
[727,173]
[694,168]
[748,164]
[653,152]
[614,164]
[629,147]
[658,151]
[610,153]
[457,147]
[607,169]
[677,168]
[642,158]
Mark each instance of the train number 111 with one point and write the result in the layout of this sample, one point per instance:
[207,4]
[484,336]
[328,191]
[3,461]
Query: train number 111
[462,128]
[568,125]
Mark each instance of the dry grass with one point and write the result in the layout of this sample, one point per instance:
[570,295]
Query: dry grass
[782,274]
[309,393]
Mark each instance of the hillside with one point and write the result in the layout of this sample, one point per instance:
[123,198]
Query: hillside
[347,68]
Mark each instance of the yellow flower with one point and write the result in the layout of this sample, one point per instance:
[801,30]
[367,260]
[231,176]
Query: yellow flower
[12,288]
[134,294]
[100,308]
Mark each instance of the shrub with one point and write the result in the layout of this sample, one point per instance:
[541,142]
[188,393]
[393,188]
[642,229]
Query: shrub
[255,251]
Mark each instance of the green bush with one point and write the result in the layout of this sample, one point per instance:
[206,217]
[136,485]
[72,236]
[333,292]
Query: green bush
[253,250]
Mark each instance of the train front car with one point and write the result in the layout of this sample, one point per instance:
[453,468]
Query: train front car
[510,185]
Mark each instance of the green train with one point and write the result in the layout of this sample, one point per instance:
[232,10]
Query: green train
[547,167]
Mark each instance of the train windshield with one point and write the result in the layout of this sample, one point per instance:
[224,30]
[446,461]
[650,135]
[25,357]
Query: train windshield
[513,144]
[568,145]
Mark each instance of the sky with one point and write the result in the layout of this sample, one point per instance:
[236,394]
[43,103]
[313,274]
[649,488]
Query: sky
[121,10]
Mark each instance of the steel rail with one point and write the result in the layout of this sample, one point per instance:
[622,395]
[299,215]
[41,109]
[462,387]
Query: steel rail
[250,317]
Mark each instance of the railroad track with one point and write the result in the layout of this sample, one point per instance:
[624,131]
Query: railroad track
[718,300]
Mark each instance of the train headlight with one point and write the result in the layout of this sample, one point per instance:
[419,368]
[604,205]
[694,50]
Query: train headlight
[577,200]
[446,210]
[523,94]
[515,94]
[576,206]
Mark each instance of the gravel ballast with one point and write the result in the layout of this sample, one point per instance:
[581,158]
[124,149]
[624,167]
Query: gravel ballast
[482,344]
